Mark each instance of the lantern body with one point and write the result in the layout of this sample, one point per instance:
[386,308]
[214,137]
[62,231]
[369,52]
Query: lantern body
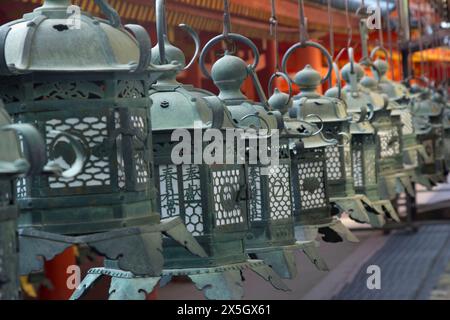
[82,82]
[315,178]
[447,138]
[205,196]
[9,212]
[428,122]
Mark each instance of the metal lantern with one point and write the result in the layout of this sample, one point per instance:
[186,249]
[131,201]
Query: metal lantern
[446,120]
[399,101]
[90,79]
[17,163]
[10,154]
[365,146]
[310,172]
[210,198]
[269,210]
[387,126]
[428,122]
[333,114]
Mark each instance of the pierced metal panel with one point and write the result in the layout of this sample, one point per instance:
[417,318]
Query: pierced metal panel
[67,90]
[133,89]
[94,131]
[370,169]
[389,142]
[193,213]
[226,187]
[280,193]
[311,183]
[357,158]
[255,203]
[407,121]
[334,163]
[180,195]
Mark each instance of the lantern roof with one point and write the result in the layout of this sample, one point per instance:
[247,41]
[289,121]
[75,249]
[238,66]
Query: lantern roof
[186,107]
[58,37]
[328,109]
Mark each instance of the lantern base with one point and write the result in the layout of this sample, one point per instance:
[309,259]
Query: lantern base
[139,248]
[334,231]
[218,283]
[387,208]
[282,259]
[392,185]
[358,207]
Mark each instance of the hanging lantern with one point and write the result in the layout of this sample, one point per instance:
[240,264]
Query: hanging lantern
[313,211]
[209,197]
[333,113]
[447,138]
[269,211]
[428,123]
[10,157]
[362,105]
[402,117]
[15,163]
[72,76]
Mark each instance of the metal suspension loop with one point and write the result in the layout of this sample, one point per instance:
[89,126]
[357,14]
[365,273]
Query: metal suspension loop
[349,33]
[422,70]
[303,26]
[274,33]
[229,43]
[380,31]
[391,50]
[330,21]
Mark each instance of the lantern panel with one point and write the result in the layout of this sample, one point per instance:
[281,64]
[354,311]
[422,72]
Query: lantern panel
[389,142]
[226,184]
[335,163]
[255,203]
[280,193]
[312,183]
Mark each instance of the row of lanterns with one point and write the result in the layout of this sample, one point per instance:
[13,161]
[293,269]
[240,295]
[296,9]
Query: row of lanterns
[105,113]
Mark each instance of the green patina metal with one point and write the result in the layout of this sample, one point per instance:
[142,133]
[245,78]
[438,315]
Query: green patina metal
[15,163]
[399,101]
[91,81]
[392,179]
[310,180]
[269,209]
[428,122]
[365,146]
[333,114]
[210,198]
[9,212]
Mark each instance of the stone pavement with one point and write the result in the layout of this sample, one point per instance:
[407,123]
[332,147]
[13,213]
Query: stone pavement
[411,265]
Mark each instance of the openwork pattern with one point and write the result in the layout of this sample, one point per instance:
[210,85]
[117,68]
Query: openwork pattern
[94,131]
[406,118]
[348,161]
[192,199]
[226,188]
[334,163]
[312,187]
[389,141]
[280,193]
[358,166]
[131,89]
[62,90]
[254,177]
[11,93]
[370,173]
